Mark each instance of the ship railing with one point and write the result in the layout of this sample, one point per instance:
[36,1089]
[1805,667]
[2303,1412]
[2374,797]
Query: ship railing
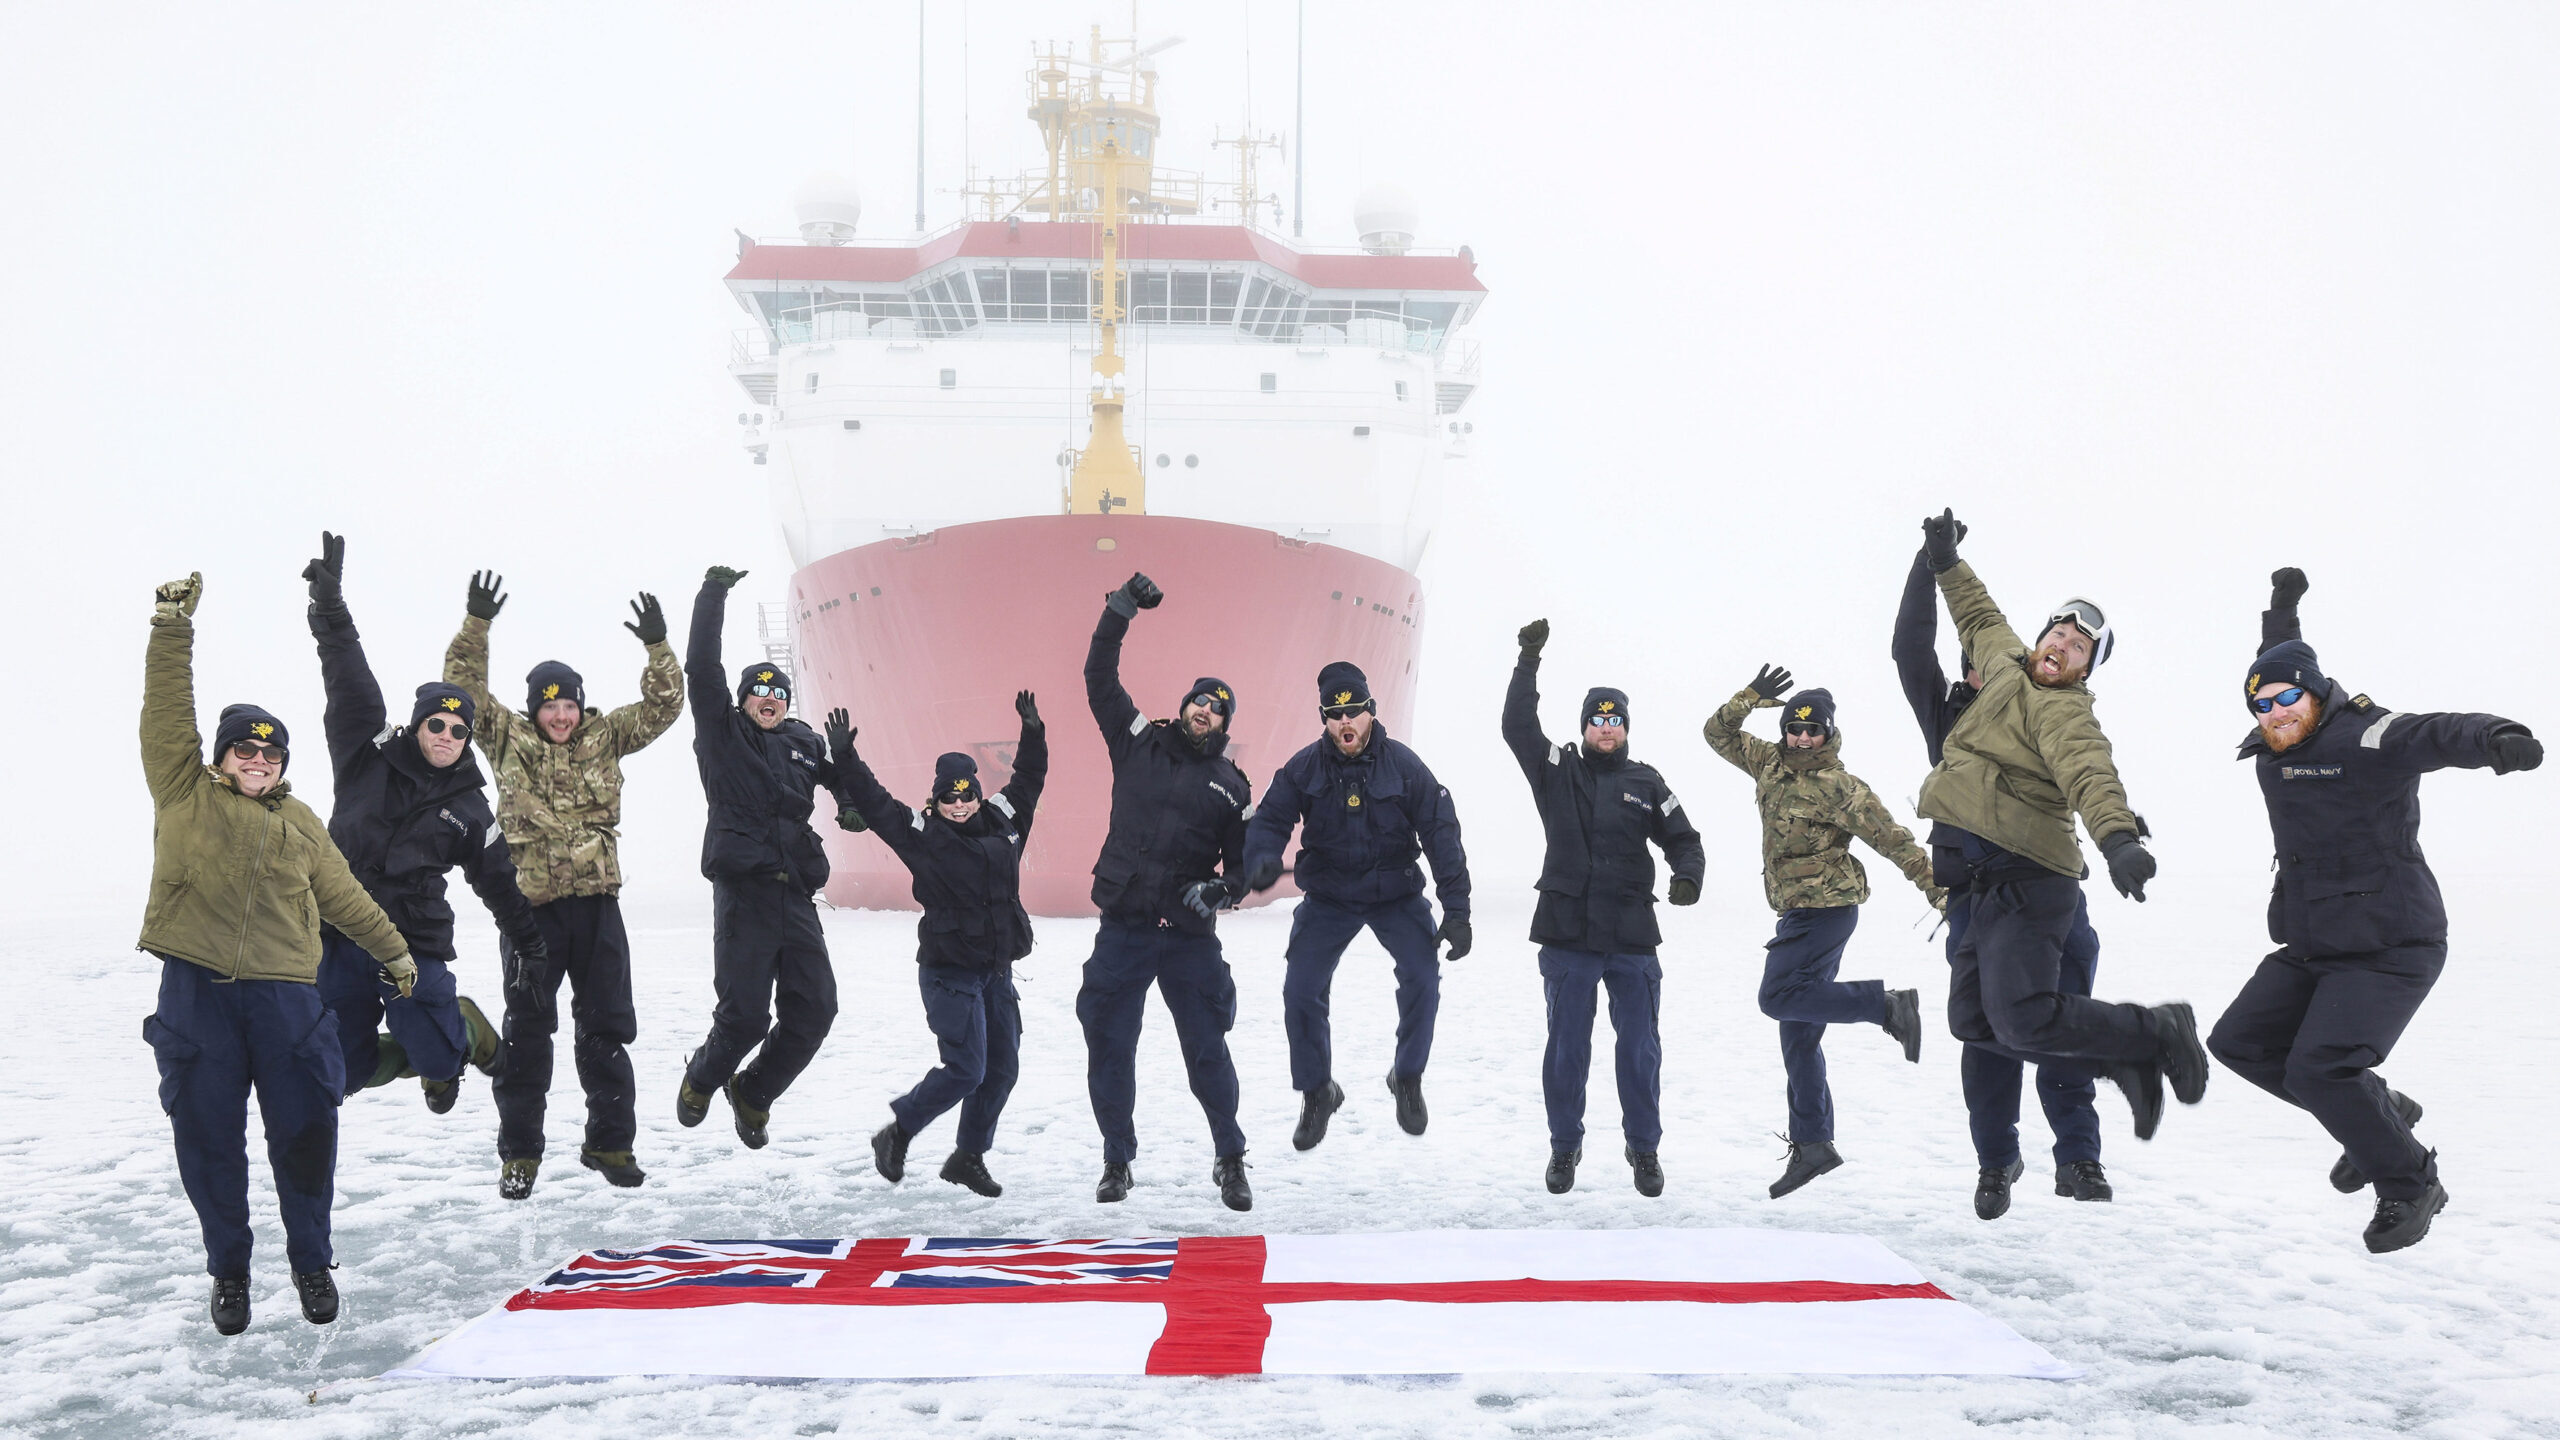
[1227,221]
[755,345]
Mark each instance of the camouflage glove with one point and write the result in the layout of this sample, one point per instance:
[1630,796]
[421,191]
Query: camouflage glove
[1684,891]
[1937,898]
[2514,748]
[1533,638]
[1135,594]
[651,622]
[402,972]
[2128,864]
[1940,534]
[723,576]
[1457,934]
[178,597]
[1771,684]
[326,572]
[483,599]
[1027,705]
[840,733]
[1205,898]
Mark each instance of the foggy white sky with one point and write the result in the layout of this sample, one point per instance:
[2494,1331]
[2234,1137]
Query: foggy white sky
[2158,297]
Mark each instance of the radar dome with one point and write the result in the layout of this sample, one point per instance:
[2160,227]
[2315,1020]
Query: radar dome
[828,206]
[1386,218]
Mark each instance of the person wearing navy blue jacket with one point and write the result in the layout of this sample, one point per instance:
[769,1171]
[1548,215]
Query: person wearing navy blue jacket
[410,804]
[1993,1081]
[965,851]
[2356,914]
[1372,812]
[1172,859]
[761,771]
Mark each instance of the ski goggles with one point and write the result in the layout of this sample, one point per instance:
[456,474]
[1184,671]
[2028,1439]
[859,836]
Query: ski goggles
[771,692]
[252,750]
[2269,704]
[438,725]
[2085,615]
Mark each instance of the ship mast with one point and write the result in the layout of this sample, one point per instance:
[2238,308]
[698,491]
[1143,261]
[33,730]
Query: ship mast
[1107,477]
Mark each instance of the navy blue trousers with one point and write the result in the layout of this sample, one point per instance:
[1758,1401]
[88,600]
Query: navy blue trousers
[1797,990]
[1573,980]
[1993,1083]
[217,1040]
[1191,972]
[2006,989]
[977,1021]
[1318,934]
[426,1023]
[591,951]
[776,992]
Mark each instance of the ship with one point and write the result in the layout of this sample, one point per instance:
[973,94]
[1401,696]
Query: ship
[1106,366]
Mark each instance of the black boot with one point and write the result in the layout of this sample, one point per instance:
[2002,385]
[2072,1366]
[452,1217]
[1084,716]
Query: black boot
[1314,1113]
[441,1093]
[1814,1157]
[889,1151]
[515,1178]
[1560,1165]
[1902,1021]
[1648,1167]
[1991,1189]
[2083,1180]
[1115,1183]
[750,1122]
[1233,1190]
[616,1166]
[2140,1082]
[319,1295]
[691,1104]
[2182,1057]
[969,1167]
[1410,1112]
[231,1306]
[2399,1224]
[2344,1177]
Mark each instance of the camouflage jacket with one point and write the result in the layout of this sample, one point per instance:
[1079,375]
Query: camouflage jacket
[560,804]
[1809,808]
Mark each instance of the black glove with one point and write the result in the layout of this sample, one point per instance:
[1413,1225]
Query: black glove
[651,626]
[325,572]
[723,576]
[2289,586]
[848,818]
[1942,532]
[1772,682]
[2514,749]
[1684,891]
[1027,705]
[1135,594]
[1263,876]
[1533,638]
[529,978]
[1457,934]
[484,599]
[1205,898]
[840,733]
[2128,864]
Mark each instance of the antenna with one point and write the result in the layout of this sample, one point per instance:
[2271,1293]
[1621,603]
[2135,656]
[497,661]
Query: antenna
[1297,162]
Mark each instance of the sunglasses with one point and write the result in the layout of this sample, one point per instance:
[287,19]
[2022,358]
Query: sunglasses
[252,750]
[437,725]
[2266,704]
[1344,712]
[1607,722]
[1803,727]
[1206,701]
[777,692]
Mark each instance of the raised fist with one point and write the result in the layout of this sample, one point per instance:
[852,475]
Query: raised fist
[1533,638]
[180,596]
[2290,585]
[723,576]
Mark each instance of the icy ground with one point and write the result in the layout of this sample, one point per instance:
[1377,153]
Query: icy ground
[2225,1292]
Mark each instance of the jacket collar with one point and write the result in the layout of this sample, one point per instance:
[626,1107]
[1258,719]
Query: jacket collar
[283,787]
[1825,756]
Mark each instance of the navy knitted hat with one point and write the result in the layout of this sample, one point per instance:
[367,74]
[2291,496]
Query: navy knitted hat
[762,673]
[1602,700]
[955,777]
[1211,691]
[550,681]
[248,722]
[1341,686]
[2290,662]
[437,698]
[1813,705]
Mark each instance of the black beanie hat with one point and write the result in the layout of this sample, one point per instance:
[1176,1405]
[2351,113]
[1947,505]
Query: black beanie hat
[552,680]
[1341,686]
[2289,663]
[248,722]
[1602,700]
[763,673]
[1813,705]
[955,777]
[1211,691]
[437,698]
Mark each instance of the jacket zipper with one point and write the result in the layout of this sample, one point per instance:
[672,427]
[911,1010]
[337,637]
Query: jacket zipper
[257,871]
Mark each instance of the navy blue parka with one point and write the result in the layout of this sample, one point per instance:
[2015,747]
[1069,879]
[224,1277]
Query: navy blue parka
[1178,810]
[761,784]
[1370,819]
[968,877]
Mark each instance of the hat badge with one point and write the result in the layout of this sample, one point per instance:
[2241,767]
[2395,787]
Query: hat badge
[1606,706]
[2254,682]
[261,729]
[452,702]
[1342,697]
[1223,695]
[764,674]
[959,784]
[551,691]
[1804,712]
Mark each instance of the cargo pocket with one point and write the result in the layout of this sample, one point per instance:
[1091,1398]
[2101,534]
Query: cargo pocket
[1221,995]
[176,1054]
[2344,912]
[322,1058]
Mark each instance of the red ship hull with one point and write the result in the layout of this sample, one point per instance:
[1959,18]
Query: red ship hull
[926,640]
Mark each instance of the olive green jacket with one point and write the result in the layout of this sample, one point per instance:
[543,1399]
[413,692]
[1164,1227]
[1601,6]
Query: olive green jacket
[1809,808]
[238,885]
[2022,758]
[560,805]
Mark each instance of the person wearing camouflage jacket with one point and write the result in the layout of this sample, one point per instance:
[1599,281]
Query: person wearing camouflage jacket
[559,769]
[1810,807]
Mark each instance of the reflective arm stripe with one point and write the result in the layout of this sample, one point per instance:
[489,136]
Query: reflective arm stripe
[1138,724]
[1248,811]
[2373,733]
[1000,802]
[495,837]
[919,821]
[1555,754]
[1670,802]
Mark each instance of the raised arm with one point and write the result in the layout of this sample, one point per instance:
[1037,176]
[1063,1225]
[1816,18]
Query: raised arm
[1021,794]
[2282,619]
[1725,735]
[355,712]
[172,747]
[2453,741]
[1980,627]
[1863,815]
[1915,653]
[633,726]
[466,665]
[715,726]
[860,791]
[1520,730]
[1113,710]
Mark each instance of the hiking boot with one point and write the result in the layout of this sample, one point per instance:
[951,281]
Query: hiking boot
[1115,1183]
[488,1050]
[2083,1180]
[750,1121]
[1411,1114]
[1902,1021]
[1560,1165]
[889,1151]
[319,1295]
[515,1178]
[969,1167]
[1648,1167]
[2182,1057]
[441,1093]
[2344,1177]
[1233,1190]
[691,1104]
[1814,1157]
[231,1306]
[1991,1189]
[1315,1111]
[616,1166]
[2399,1224]
[2140,1082]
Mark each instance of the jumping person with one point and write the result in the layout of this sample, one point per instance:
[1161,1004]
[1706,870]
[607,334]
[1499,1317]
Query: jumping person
[1992,1081]
[1809,808]
[1594,924]
[965,851]
[1372,810]
[1174,857]
[410,804]
[242,878]
[2357,918]
[761,771]
[559,772]
[2024,757]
